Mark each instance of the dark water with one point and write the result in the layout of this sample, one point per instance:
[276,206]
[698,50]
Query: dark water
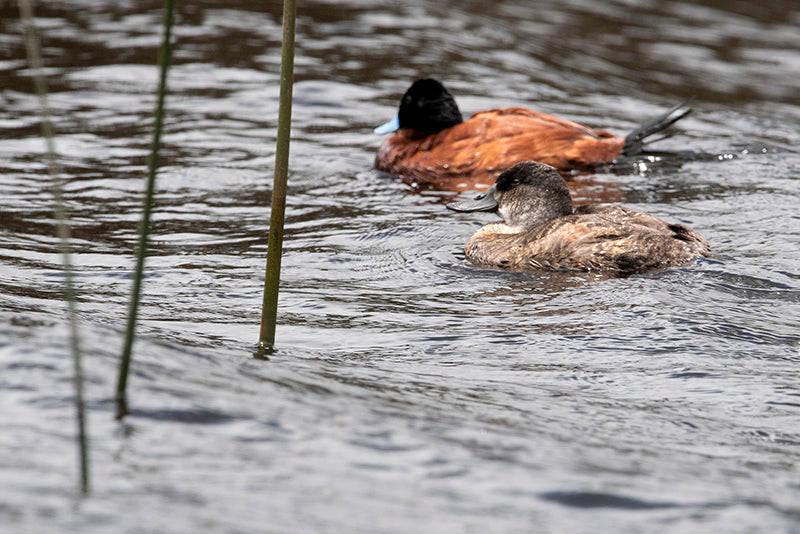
[411,391]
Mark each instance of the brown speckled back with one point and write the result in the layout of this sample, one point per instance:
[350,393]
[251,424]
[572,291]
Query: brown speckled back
[607,239]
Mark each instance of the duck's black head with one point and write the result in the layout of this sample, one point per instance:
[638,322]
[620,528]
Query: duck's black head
[527,194]
[428,107]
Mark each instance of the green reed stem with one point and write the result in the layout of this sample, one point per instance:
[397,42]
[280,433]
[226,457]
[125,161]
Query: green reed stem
[164,55]
[269,310]
[62,229]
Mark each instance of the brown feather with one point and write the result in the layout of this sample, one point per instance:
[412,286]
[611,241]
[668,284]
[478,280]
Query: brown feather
[492,141]
[605,239]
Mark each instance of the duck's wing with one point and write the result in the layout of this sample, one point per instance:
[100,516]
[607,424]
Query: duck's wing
[519,134]
[479,149]
[618,240]
[530,119]
[606,239]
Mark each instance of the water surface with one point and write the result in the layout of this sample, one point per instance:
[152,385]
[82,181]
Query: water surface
[411,392]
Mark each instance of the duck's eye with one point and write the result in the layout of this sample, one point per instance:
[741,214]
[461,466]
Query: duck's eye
[515,182]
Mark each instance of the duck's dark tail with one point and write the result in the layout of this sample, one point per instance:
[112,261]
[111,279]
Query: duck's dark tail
[636,140]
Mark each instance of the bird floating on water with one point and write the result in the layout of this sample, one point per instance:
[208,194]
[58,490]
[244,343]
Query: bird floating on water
[542,231]
[432,143]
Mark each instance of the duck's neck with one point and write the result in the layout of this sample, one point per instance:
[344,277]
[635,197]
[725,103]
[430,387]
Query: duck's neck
[521,217]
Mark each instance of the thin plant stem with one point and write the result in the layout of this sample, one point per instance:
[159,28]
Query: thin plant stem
[164,55]
[269,310]
[62,229]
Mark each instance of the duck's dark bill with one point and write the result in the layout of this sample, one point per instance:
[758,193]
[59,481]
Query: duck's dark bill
[483,202]
[390,126]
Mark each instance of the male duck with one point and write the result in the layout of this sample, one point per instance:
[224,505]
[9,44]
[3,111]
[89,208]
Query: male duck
[542,231]
[433,144]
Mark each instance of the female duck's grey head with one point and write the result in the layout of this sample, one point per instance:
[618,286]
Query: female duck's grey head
[426,107]
[525,195]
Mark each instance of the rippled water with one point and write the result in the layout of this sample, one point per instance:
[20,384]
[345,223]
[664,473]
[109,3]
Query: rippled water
[411,392]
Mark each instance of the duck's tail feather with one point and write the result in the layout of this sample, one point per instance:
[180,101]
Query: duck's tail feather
[635,141]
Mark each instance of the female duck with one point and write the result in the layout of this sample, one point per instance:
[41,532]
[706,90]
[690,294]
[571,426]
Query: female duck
[542,231]
[433,143]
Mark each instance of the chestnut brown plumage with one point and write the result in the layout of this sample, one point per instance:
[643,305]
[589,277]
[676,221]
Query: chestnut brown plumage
[433,144]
